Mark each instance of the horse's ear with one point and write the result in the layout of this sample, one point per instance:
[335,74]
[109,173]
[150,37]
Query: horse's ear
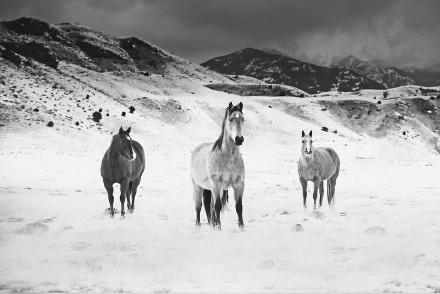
[240,106]
[230,105]
[121,130]
[303,134]
[310,134]
[128,130]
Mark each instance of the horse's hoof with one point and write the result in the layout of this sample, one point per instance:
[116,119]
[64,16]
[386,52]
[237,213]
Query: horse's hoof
[217,227]
[131,210]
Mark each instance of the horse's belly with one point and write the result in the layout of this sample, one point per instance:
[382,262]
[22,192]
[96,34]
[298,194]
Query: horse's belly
[199,173]
[328,174]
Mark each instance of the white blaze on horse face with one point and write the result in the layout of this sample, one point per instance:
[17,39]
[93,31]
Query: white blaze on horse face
[132,150]
[307,146]
[235,122]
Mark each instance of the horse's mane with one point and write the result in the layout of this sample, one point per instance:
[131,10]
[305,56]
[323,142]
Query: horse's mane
[219,141]
[115,136]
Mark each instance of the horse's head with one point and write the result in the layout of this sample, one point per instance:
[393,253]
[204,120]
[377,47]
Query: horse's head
[234,122]
[307,142]
[124,144]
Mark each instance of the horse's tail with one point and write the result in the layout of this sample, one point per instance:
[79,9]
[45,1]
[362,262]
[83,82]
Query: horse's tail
[329,191]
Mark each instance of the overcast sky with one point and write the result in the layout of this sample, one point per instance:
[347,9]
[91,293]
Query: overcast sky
[402,33]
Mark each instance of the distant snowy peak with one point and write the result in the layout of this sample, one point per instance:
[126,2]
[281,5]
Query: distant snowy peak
[282,69]
[275,52]
[376,70]
[349,61]
[390,76]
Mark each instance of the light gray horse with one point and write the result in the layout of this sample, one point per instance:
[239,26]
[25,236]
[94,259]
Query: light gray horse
[215,167]
[317,165]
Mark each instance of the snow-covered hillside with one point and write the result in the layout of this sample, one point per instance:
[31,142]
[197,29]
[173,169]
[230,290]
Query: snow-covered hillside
[382,234]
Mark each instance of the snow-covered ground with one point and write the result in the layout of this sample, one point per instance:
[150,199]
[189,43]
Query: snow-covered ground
[382,236]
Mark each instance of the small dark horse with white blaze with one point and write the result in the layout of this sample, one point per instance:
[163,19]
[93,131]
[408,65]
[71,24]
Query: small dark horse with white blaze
[123,163]
[215,167]
[317,165]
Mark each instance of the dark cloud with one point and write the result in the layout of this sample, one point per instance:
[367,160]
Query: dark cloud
[402,33]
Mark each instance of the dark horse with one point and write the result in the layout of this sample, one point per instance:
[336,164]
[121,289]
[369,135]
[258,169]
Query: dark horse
[123,163]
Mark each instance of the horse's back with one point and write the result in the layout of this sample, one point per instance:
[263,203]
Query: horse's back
[198,165]
[331,162]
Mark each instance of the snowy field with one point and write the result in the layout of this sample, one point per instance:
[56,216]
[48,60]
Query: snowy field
[383,234]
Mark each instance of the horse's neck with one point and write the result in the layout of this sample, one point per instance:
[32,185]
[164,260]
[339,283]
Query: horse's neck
[112,153]
[308,160]
[229,149]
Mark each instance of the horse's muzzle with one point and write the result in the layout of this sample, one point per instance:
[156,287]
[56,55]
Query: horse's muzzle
[239,140]
[308,152]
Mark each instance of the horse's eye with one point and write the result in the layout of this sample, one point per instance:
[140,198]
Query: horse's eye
[304,141]
[311,141]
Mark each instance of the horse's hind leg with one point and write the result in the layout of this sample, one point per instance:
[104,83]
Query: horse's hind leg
[207,203]
[321,192]
[198,191]
[127,194]
[109,187]
[134,188]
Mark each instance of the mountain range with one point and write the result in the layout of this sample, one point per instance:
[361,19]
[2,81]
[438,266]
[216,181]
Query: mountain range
[343,74]
[27,41]
[281,69]
[387,75]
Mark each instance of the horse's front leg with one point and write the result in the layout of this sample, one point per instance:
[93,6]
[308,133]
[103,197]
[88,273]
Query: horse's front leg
[109,187]
[304,189]
[316,183]
[198,191]
[124,188]
[321,192]
[216,203]
[128,194]
[238,196]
